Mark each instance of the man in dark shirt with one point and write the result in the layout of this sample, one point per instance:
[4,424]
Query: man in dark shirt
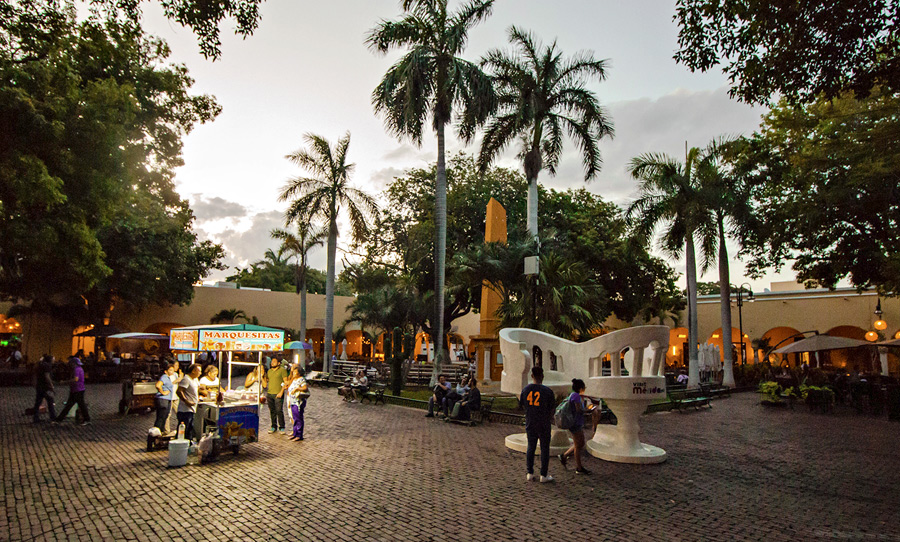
[539,403]
[43,385]
[437,397]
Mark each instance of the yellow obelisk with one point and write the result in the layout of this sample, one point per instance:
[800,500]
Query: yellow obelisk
[487,345]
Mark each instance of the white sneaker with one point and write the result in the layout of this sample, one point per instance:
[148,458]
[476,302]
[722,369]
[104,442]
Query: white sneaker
[548,478]
[530,477]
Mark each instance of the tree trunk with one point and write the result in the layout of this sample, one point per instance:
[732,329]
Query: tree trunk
[329,289]
[440,254]
[725,302]
[691,275]
[303,314]
[533,207]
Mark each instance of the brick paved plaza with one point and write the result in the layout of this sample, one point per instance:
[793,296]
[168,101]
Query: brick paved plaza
[735,472]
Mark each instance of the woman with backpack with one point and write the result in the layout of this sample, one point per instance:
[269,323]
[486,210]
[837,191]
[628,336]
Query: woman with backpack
[575,402]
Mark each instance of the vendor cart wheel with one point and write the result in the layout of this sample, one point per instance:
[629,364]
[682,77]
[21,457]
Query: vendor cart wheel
[122,407]
[150,441]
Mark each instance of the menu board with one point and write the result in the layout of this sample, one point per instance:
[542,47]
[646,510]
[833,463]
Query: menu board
[183,339]
[240,340]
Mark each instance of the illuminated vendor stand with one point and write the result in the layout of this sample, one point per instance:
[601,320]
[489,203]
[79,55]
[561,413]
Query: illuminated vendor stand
[232,414]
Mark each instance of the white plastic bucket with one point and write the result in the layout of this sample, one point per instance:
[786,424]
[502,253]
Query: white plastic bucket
[178,452]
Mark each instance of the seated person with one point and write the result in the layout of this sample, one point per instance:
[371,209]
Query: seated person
[455,395]
[209,382]
[359,386]
[437,397]
[471,402]
[682,377]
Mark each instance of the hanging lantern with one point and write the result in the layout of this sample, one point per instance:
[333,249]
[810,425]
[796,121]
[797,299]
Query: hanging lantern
[880,325]
[871,336]
[897,335]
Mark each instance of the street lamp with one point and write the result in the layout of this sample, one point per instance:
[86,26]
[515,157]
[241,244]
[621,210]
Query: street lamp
[740,303]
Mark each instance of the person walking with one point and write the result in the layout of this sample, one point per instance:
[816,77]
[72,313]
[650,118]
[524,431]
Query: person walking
[576,403]
[76,393]
[43,386]
[188,393]
[539,403]
[165,392]
[298,391]
[275,394]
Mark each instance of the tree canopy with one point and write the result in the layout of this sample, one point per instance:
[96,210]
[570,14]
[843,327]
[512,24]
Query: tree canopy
[826,189]
[91,120]
[795,49]
[203,17]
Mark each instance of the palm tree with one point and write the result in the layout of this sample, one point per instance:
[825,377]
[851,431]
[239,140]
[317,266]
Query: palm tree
[430,80]
[323,196]
[670,196]
[228,315]
[298,245]
[541,96]
[726,209]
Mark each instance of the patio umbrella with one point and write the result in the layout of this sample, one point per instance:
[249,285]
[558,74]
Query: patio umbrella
[101,331]
[819,343]
[892,342]
[297,345]
[140,336]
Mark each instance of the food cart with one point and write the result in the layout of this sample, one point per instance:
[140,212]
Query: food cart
[139,388]
[232,414]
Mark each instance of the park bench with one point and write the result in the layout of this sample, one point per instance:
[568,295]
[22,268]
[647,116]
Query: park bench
[479,416]
[375,394]
[714,389]
[685,398]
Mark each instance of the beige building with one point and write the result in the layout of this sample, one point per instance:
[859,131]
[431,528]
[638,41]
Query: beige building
[787,309]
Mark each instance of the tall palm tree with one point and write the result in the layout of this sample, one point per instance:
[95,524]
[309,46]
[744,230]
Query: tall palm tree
[431,80]
[726,210]
[670,196]
[298,245]
[323,196]
[542,96]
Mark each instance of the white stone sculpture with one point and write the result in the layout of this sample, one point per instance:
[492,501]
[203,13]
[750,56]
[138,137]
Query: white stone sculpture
[628,397]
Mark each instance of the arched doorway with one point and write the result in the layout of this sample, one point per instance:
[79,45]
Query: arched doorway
[736,343]
[676,355]
[851,359]
[779,336]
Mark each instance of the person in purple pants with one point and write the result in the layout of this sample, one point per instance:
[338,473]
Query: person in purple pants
[76,393]
[297,394]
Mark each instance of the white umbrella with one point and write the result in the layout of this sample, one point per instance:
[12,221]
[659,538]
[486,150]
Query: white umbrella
[140,336]
[819,343]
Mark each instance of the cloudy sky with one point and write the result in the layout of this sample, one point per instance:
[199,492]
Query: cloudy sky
[307,69]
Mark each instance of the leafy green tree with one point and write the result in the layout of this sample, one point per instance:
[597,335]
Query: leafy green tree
[824,181]
[542,96]
[298,245]
[323,196]
[798,49]
[91,120]
[670,196]
[431,80]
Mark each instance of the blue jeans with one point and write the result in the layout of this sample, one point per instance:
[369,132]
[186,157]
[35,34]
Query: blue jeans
[535,434]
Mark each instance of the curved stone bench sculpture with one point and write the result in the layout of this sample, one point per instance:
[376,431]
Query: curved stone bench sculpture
[627,396]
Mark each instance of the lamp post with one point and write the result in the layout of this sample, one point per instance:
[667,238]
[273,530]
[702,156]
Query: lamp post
[739,290]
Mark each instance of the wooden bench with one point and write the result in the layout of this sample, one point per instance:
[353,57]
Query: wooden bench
[685,398]
[375,394]
[483,414]
[714,389]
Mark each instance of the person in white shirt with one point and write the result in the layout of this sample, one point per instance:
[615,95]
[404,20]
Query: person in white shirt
[209,383]
[189,395]
[359,386]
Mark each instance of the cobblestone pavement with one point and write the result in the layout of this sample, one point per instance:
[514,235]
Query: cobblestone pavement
[737,471]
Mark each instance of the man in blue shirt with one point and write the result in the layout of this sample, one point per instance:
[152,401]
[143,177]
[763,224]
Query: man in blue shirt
[539,403]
